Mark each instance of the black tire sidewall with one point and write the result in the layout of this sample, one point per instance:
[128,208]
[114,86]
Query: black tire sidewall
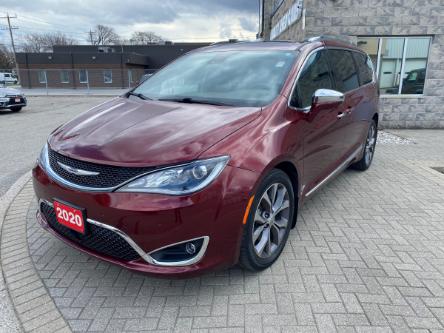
[372,124]
[256,262]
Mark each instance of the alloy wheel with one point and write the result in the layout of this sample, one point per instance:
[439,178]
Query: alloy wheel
[271,220]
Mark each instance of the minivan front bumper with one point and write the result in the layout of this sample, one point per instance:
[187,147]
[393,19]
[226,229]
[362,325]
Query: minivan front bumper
[149,222]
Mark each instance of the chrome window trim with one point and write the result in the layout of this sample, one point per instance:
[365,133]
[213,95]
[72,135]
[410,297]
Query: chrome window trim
[146,256]
[354,62]
[307,109]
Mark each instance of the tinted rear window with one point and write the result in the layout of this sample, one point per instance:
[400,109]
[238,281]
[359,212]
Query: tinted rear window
[344,70]
[365,69]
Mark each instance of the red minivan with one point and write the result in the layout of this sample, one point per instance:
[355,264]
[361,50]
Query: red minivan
[205,164]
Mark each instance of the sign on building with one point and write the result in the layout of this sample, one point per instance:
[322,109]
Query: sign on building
[290,17]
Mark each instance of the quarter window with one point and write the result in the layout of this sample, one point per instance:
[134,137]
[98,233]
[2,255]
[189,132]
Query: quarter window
[314,75]
[108,76]
[344,70]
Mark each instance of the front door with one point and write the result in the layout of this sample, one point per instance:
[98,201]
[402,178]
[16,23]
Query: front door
[323,124]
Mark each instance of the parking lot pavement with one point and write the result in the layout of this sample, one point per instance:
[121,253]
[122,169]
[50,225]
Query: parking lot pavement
[74,92]
[23,134]
[367,255]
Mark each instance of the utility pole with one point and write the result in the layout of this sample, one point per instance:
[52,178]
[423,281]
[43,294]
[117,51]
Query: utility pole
[91,37]
[8,18]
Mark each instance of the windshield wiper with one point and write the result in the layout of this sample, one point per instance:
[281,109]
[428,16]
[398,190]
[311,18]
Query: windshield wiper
[191,100]
[141,96]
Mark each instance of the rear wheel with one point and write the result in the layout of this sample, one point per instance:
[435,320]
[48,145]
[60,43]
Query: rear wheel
[269,222]
[16,108]
[369,149]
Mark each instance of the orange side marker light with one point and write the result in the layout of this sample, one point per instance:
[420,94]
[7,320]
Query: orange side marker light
[247,211]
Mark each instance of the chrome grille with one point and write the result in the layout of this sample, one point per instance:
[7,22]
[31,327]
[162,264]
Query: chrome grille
[108,176]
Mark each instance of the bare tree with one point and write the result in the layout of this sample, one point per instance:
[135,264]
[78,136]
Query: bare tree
[6,58]
[37,43]
[103,35]
[145,38]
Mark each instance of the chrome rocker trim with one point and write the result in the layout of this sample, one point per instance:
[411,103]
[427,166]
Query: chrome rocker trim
[335,172]
[146,256]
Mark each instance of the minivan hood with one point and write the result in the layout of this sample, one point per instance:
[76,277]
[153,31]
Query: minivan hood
[129,132]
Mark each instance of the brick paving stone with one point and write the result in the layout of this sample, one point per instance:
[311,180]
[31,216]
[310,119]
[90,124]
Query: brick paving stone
[367,255]
[34,307]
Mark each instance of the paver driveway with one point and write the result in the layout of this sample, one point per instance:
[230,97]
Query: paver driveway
[367,255]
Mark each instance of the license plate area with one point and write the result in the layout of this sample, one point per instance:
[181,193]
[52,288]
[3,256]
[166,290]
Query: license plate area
[69,216]
[18,100]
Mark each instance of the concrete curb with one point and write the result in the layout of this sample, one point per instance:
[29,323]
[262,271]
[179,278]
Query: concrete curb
[9,321]
[33,305]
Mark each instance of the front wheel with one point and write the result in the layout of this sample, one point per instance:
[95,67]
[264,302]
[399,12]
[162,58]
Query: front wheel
[269,222]
[369,148]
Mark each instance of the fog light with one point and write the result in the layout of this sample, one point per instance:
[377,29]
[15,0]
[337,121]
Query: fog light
[190,248]
[178,252]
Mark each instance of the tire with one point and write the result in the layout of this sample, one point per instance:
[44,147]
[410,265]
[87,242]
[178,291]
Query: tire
[369,148]
[271,229]
[16,108]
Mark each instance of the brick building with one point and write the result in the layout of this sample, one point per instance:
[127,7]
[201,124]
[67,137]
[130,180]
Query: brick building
[88,66]
[405,39]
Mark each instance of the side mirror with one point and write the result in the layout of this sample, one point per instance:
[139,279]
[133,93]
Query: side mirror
[327,96]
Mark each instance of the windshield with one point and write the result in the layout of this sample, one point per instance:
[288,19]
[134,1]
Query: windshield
[238,78]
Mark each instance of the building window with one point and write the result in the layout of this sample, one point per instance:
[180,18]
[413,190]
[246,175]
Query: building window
[108,76]
[130,76]
[401,62]
[83,76]
[42,76]
[64,76]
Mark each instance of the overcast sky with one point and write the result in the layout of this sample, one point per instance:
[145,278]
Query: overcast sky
[177,20]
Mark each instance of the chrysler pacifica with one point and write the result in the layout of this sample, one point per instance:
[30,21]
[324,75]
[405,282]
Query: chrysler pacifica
[206,163]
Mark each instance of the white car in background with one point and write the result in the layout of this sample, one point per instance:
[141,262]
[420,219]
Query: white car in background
[12,99]
[8,78]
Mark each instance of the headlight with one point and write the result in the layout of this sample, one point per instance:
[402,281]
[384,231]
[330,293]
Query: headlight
[179,180]
[43,157]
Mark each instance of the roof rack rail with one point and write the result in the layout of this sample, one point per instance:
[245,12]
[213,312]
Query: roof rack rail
[341,38]
[229,41]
